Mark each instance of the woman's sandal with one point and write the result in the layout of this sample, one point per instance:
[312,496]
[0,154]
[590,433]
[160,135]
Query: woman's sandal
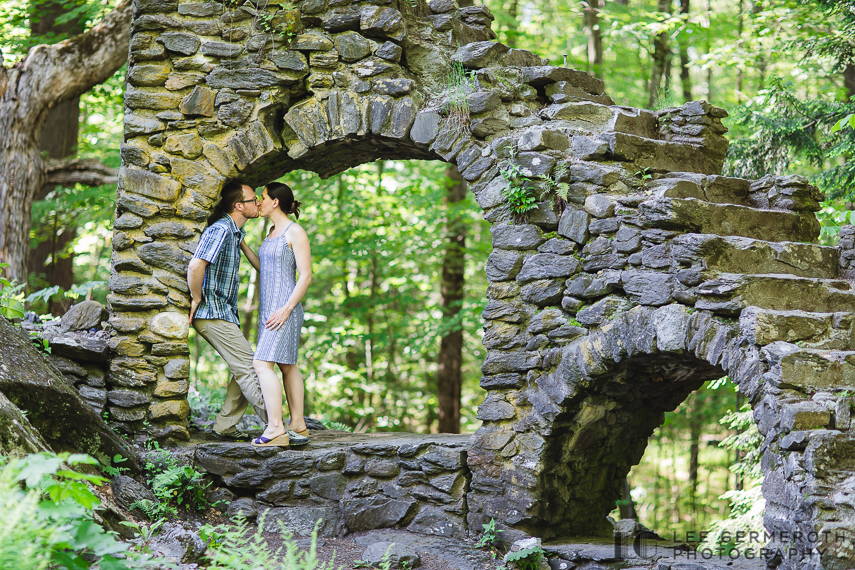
[298,437]
[278,441]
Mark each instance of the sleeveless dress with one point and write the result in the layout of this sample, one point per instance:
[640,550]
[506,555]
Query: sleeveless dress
[278,278]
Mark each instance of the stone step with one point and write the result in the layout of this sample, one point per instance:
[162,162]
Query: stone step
[735,254]
[730,293]
[715,189]
[827,331]
[810,369]
[728,220]
[591,118]
[660,155]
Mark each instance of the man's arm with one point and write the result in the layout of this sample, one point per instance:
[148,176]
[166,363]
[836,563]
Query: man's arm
[195,279]
[207,251]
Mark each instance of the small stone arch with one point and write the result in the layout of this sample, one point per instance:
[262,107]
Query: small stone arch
[552,464]
[658,275]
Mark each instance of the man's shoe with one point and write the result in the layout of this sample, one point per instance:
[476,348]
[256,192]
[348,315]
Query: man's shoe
[236,435]
[297,439]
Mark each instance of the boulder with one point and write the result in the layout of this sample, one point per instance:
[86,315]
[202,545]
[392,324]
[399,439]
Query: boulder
[178,545]
[395,555]
[53,406]
[128,491]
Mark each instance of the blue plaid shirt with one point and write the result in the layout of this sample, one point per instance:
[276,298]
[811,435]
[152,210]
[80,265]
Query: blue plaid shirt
[220,247]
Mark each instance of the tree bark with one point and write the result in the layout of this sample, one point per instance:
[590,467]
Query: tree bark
[28,92]
[449,379]
[660,57]
[849,81]
[512,26]
[694,455]
[627,507]
[591,10]
[685,77]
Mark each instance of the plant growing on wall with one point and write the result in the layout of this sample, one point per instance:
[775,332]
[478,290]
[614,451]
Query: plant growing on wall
[451,99]
[522,190]
[283,23]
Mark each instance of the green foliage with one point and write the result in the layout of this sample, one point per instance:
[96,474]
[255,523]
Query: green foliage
[146,533]
[284,22]
[172,483]
[746,504]
[47,520]
[526,558]
[234,547]
[451,99]
[11,297]
[522,190]
[107,467]
[490,536]
[519,190]
[784,127]
[17,18]
[666,97]
[336,425]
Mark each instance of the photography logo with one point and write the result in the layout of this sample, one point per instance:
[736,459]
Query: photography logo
[635,545]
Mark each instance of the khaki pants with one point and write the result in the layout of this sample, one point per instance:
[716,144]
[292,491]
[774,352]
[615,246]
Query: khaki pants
[244,388]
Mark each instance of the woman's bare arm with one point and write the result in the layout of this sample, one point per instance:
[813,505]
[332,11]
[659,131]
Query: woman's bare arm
[250,255]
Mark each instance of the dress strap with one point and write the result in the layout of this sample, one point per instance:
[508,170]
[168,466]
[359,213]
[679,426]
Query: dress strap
[285,231]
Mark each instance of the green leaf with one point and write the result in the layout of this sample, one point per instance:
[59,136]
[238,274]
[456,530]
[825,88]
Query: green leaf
[70,560]
[42,294]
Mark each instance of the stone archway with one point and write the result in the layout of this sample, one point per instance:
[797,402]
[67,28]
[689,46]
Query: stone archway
[658,275]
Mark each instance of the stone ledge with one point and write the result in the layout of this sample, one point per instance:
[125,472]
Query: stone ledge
[353,482]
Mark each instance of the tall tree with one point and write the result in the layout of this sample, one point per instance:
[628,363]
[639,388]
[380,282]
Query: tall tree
[661,53]
[29,90]
[450,378]
[58,140]
[685,77]
[591,10]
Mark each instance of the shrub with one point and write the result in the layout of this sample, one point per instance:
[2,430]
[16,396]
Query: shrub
[48,522]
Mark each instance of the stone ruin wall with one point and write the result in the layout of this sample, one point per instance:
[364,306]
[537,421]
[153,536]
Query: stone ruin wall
[660,274]
[352,482]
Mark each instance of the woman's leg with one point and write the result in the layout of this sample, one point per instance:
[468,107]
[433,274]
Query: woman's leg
[294,394]
[272,391]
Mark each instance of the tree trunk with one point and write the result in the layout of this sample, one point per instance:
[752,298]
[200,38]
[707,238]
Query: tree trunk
[60,269]
[58,140]
[28,92]
[627,507]
[660,58]
[512,25]
[849,81]
[591,10]
[685,77]
[449,379]
[694,453]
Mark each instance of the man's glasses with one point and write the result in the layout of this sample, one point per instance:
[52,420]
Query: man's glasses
[245,201]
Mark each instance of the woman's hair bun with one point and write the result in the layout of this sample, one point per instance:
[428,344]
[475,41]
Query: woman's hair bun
[283,193]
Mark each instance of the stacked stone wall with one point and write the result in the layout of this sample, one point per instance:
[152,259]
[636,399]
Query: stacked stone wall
[350,482]
[604,312]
